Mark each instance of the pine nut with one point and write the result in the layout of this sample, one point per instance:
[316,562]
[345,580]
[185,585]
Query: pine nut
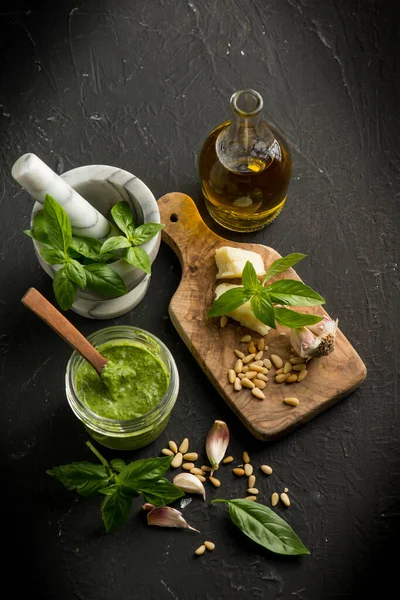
[259,383]
[257,363]
[258,393]
[188,466]
[285,499]
[210,546]
[252,491]
[287,367]
[259,355]
[237,471]
[291,378]
[196,471]
[279,371]
[241,375]
[291,401]
[237,386]
[239,354]
[251,498]
[201,478]
[177,460]
[246,457]
[262,377]
[266,469]
[301,367]
[248,470]
[278,362]
[258,368]
[228,459]
[216,482]
[238,365]
[251,374]
[252,348]
[297,360]
[223,321]
[246,338]
[206,468]
[231,376]
[251,482]
[247,383]
[267,363]
[281,378]
[274,499]
[302,375]
[261,344]
[184,447]
[285,490]
[248,358]
[200,550]
[245,369]
[167,452]
[173,446]
[190,456]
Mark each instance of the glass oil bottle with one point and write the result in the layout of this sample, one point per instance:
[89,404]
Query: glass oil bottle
[245,167]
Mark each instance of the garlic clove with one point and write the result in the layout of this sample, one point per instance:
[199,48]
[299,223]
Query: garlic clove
[316,340]
[165,516]
[187,482]
[217,443]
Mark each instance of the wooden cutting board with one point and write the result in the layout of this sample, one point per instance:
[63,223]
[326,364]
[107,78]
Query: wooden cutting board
[329,379]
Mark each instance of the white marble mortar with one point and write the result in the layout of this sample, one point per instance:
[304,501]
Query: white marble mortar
[103,186]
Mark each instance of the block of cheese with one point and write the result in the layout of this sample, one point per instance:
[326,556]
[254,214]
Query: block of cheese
[231,262]
[243,314]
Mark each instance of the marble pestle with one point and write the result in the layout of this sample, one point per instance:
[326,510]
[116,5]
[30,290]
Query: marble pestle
[38,180]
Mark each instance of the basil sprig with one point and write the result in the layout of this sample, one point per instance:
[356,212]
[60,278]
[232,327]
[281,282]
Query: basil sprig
[264,527]
[285,292]
[119,483]
[133,237]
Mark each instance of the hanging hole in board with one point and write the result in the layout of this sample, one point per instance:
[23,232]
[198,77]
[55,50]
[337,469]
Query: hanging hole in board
[173,218]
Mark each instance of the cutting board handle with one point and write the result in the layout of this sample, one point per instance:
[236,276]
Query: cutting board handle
[184,230]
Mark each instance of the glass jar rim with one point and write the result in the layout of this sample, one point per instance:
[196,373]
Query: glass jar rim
[246,103]
[106,425]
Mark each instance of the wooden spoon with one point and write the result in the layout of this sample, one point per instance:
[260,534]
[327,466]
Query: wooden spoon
[52,317]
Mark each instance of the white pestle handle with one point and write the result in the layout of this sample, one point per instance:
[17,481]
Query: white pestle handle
[38,180]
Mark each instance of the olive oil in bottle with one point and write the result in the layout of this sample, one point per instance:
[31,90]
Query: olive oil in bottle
[245,167]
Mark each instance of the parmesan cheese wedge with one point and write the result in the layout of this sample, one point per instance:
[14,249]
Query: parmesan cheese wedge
[231,262]
[243,314]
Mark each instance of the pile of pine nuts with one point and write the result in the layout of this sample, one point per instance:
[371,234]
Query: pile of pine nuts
[250,370]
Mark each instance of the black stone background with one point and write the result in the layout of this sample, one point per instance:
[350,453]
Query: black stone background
[139,84]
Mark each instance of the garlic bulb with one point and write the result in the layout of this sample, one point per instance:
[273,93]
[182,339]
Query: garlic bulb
[315,341]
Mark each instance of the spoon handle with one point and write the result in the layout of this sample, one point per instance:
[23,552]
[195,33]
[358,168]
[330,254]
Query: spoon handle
[52,317]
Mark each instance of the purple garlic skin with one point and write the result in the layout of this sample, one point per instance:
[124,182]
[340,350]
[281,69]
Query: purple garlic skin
[315,341]
[165,516]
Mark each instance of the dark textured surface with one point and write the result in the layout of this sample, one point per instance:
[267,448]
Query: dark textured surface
[138,85]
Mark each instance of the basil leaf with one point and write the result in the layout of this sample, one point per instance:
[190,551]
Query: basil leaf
[58,224]
[117,464]
[83,477]
[115,510]
[264,527]
[86,246]
[103,280]
[123,217]
[146,232]
[64,289]
[39,228]
[249,278]
[294,293]
[139,258]
[115,243]
[161,492]
[292,319]
[110,489]
[230,300]
[283,264]
[51,256]
[140,473]
[76,272]
[262,308]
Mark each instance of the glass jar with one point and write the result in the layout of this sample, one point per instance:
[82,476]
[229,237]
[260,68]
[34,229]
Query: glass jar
[245,167]
[133,433]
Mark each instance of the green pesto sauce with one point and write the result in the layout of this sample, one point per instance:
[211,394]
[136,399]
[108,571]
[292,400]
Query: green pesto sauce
[131,384]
